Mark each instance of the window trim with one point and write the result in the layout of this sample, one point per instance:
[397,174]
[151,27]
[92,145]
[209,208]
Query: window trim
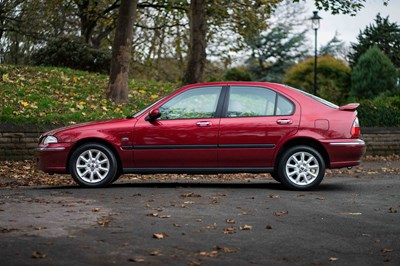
[224,113]
[221,97]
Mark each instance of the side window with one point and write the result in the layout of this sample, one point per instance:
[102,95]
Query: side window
[251,101]
[284,106]
[194,103]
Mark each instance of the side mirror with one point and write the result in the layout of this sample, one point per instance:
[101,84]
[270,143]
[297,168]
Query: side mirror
[153,115]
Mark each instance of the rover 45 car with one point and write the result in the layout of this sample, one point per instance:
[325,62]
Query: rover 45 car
[227,127]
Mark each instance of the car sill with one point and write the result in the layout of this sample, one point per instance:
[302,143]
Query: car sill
[197,170]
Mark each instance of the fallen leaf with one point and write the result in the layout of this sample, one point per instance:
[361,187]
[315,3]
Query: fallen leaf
[164,216]
[38,255]
[281,213]
[212,226]
[138,260]
[229,230]
[333,259]
[155,253]
[226,249]
[230,221]
[160,235]
[96,210]
[321,198]
[103,222]
[387,250]
[246,227]
[392,210]
[211,254]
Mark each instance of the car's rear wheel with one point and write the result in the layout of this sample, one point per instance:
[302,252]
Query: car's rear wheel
[301,168]
[93,165]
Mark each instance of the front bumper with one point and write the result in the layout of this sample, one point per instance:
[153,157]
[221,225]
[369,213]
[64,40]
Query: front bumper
[53,158]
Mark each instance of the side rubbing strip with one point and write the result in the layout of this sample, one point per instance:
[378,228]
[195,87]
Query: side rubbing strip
[180,147]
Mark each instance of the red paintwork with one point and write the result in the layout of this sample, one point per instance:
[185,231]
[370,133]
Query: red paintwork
[311,121]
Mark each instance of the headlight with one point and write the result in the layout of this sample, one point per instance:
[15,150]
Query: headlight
[49,139]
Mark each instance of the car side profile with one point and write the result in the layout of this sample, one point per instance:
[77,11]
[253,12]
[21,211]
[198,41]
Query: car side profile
[220,127]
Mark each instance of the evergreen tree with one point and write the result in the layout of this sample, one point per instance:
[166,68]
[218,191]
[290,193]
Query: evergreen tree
[373,75]
[384,34]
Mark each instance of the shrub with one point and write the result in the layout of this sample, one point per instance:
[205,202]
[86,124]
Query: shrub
[333,78]
[72,53]
[380,112]
[237,74]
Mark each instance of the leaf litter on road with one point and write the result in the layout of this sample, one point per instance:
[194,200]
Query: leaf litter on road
[24,173]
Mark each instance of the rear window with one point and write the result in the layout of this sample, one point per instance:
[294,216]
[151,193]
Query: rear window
[318,99]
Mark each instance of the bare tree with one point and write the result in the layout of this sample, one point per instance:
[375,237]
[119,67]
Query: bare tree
[121,52]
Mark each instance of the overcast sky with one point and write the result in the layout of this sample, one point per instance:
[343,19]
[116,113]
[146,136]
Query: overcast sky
[347,26]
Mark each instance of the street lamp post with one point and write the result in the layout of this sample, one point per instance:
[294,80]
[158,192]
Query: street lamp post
[315,26]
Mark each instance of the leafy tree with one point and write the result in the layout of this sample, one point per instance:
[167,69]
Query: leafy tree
[374,74]
[333,77]
[383,34]
[341,6]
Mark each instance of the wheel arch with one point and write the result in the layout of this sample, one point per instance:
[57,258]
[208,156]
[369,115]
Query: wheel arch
[95,141]
[306,142]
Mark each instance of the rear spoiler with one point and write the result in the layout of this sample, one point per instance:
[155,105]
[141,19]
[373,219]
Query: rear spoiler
[349,107]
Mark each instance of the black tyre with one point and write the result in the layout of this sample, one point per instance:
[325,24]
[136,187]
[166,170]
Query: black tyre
[275,176]
[301,168]
[93,165]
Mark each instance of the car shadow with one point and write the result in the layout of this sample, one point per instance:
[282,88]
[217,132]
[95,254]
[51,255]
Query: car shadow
[269,185]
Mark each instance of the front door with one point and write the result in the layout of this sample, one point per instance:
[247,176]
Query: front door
[186,134]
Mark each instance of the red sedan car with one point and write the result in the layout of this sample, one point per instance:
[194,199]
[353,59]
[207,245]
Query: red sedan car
[225,127]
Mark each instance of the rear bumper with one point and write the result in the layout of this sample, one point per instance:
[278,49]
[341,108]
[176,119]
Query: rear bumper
[345,152]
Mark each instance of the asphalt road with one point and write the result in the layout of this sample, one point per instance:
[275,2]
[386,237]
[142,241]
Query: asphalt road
[347,221]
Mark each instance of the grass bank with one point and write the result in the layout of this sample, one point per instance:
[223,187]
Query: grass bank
[49,95]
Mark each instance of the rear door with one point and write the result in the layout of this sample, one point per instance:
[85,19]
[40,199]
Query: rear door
[255,120]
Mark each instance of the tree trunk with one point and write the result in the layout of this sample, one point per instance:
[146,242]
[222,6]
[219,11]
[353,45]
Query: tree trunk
[121,52]
[197,46]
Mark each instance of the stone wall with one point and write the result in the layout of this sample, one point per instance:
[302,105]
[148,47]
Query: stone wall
[19,142]
[381,141]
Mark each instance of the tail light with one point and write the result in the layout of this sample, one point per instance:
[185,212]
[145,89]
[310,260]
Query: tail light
[355,129]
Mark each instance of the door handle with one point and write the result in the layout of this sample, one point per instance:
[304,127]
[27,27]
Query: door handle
[284,121]
[203,124]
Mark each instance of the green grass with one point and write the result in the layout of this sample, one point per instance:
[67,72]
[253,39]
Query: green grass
[61,96]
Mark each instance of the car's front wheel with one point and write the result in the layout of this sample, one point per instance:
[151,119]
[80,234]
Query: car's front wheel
[93,165]
[301,168]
